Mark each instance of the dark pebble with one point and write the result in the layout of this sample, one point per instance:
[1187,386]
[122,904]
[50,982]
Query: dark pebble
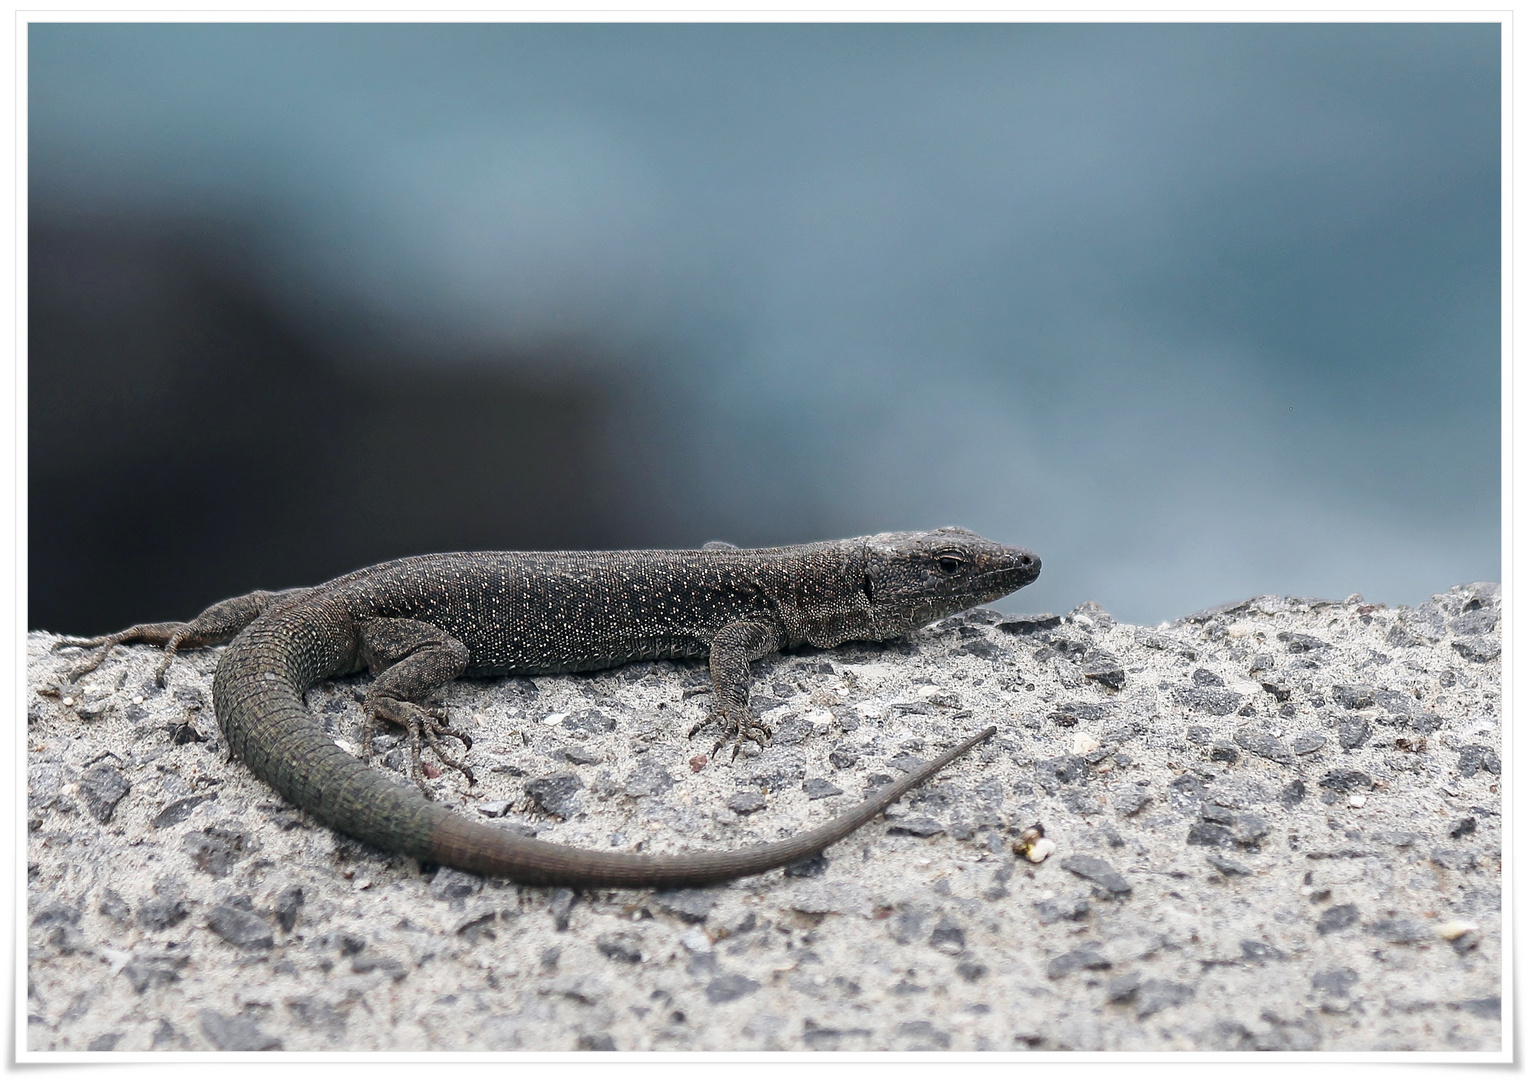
[1098,871]
[1266,746]
[1260,952]
[1339,917]
[1474,758]
[1353,732]
[843,757]
[1030,624]
[818,788]
[1227,867]
[619,946]
[926,1032]
[810,867]
[730,988]
[746,802]
[1480,649]
[591,720]
[1209,699]
[180,810]
[1123,988]
[1400,931]
[948,937]
[449,884]
[1104,668]
[1336,982]
[1132,800]
[916,826]
[1301,643]
[1155,995]
[649,778]
[1293,793]
[1489,1008]
[561,904]
[688,905]
[387,965]
[1345,780]
[1453,859]
[1219,814]
[1086,957]
[215,850]
[145,972]
[1354,697]
[1308,742]
[1249,828]
[556,795]
[114,907]
[235,1033]
[102,788]
[1207,834]
[240,928]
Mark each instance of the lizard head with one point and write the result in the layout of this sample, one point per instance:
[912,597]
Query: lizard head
[914,578]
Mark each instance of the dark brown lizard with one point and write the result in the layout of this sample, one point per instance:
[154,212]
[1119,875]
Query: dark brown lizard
[418,623]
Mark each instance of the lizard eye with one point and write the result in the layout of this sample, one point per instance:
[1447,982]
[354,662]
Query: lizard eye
[950,564]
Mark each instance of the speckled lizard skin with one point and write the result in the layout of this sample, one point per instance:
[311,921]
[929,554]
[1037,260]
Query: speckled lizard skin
[420,622]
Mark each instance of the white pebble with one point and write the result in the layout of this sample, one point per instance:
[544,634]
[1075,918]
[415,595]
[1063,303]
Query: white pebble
[69,701]
[347,747]
[1454,929]
[552,719]
[696,941]
[821,719]
[1083,742]
[1039,851]
[1357,801]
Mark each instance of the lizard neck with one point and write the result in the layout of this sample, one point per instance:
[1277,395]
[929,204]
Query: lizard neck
[823,601]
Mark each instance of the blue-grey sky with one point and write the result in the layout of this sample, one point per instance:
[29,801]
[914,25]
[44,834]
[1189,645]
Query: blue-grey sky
[1195,311]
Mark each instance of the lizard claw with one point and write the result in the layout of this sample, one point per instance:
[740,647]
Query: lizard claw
[425,725]
[736,731]
[87,665]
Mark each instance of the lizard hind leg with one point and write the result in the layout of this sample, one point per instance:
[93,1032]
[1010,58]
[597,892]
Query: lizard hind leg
[218,624]
[410,659]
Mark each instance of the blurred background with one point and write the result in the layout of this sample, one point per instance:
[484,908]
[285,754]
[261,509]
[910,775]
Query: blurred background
[1195,311]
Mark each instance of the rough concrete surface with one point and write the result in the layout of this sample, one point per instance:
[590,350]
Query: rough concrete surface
[1276,827]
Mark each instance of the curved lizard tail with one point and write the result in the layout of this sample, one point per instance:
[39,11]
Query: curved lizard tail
[472,845]
[258,698]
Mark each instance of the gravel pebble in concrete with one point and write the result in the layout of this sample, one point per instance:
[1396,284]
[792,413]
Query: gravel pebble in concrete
[1276,827]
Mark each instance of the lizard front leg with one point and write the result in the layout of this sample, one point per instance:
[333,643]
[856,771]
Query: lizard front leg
[410,659]
[216,625]
[734,647]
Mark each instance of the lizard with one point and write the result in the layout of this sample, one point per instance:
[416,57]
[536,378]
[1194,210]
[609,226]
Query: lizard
[417,623]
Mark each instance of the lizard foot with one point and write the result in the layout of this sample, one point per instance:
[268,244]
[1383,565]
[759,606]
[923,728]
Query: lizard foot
[424,725]
[749,728]
[99,647]
[169,636]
